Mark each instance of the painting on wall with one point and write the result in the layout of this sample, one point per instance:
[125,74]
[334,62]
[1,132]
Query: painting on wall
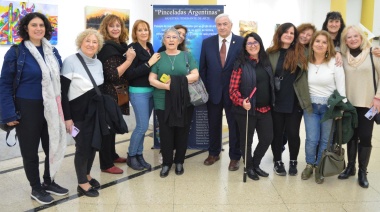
[246,27]
[11,12]
[95,15]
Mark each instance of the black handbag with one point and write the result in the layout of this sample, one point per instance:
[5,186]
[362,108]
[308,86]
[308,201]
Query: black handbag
[332,161]
[376,118]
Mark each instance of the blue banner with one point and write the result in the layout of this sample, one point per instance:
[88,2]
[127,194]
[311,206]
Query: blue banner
[200,22]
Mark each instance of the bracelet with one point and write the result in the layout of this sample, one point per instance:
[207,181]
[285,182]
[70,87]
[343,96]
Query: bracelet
[147,64]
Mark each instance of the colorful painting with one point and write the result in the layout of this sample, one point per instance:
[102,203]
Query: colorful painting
[11,12]
[247,27]
[95,15]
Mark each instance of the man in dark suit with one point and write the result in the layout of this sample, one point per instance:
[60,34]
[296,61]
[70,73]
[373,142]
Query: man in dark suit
[218,55]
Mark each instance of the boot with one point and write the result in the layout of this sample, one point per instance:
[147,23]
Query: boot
[364,154]
[134,163]
[352,149]
[142,162]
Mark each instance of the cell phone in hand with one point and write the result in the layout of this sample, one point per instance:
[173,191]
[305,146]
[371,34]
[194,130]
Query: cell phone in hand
[371,113]
[74,131]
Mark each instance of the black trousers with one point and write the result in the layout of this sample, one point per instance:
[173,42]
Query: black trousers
[262,123]
[107,152]
[31,130]
[363,132]
[215,116]
[84,153]
[173,138]
[288,123]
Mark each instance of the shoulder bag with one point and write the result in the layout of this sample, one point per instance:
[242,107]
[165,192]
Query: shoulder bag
[197,90]
[376,118]
[332,161]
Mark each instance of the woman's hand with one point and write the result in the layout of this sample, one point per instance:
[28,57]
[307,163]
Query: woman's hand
[246,104]
[12,123]
[130,54]
[376,104]
[155,57]
[338,59]
[69,125]
[376,51]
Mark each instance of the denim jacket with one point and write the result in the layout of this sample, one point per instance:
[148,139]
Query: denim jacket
[10,79]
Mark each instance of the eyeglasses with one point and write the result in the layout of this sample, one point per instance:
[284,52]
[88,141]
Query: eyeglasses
[254,43]
[174,37]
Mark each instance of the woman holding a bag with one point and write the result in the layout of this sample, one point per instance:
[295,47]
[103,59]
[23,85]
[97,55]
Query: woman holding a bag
[171,100]
[324,77]
[358,69]
[116,59]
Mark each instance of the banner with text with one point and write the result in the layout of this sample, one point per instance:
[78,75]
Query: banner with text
[200,22]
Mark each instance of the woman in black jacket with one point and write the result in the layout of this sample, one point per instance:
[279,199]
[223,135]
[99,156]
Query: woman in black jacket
[253,71]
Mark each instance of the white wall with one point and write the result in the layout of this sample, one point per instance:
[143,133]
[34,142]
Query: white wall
[376,19]
[267,13]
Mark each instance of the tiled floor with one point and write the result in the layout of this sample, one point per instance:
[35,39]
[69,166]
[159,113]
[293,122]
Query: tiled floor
[200,188]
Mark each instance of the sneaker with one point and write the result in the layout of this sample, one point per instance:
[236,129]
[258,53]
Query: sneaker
[307,172]
[54,188]
[279,168]
[41,196]
[293,168]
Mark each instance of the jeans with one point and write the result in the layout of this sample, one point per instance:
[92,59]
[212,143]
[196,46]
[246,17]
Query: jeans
[317,133]
[142,104]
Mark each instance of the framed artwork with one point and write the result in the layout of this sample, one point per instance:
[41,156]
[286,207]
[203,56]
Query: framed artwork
[12,12]
[246,27]
[95,15]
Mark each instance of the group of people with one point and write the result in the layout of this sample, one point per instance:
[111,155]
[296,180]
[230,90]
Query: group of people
[262,90]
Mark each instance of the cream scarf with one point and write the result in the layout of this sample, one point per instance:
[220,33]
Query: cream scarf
[356,61]
[51,94]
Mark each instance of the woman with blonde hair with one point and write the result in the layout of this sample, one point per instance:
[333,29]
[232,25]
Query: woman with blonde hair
[358,69]
[77,94]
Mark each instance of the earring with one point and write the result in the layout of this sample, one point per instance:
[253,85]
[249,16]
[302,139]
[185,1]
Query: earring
[327,54]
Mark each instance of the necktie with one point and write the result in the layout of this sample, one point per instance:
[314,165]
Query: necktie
[223,52]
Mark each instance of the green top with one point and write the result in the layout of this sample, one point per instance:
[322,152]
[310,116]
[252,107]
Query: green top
[164,66]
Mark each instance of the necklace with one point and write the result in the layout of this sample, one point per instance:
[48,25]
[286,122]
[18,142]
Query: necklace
[317,66]
[172,62]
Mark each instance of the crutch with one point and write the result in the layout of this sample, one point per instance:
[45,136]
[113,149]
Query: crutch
[246,140]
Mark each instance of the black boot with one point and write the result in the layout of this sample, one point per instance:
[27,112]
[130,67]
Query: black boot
[134,163]
[142,162]
[364,154]
[352,149]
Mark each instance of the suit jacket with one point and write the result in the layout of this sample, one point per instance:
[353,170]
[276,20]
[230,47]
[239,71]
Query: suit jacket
[216,78]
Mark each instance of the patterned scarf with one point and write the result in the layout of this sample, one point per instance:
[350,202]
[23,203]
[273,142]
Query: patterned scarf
[51,94]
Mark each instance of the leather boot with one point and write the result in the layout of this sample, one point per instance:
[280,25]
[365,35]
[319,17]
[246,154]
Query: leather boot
[142,162]
[352,149]
[134,163]
[364,154]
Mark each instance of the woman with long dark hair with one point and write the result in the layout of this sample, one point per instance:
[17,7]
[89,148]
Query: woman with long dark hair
[253,71]
[289,63]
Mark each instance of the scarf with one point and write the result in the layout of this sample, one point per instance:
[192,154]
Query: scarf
[356,61]
[51,94]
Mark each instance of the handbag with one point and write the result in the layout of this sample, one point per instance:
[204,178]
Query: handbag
[197,90]
[122,94]
[332,161]
[376,118]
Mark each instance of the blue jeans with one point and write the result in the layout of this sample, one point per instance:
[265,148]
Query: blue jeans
[142,104]
[317,133]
